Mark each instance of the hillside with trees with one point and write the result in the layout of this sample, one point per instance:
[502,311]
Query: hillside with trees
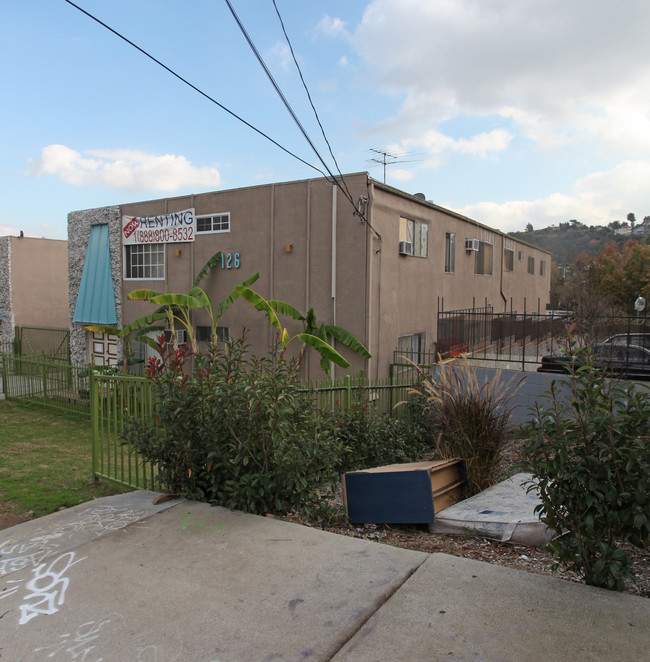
[567,241]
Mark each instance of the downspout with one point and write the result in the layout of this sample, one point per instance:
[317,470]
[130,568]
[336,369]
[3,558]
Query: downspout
[333,270]
[503,250]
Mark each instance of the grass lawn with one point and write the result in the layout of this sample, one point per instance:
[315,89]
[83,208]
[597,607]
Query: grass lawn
[45,462]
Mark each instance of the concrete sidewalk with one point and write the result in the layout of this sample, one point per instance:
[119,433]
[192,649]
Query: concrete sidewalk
[120,579]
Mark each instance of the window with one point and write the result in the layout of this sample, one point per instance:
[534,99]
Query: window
[520,256]
[542,267]
[531,265]
[145,262]
[450,253]
[213,223]
[417,234]
[413,348]
[204,333]
[483,264]
[181,337]
[508,259]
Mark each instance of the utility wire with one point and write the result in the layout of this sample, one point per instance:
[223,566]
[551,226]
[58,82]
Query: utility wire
[195,88]
[311,103]
[334,180]
[269,75]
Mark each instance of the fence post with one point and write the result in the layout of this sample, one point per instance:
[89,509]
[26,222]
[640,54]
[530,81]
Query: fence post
[94,419]
[4,374]
[44,376]
[348,392]
[523,343]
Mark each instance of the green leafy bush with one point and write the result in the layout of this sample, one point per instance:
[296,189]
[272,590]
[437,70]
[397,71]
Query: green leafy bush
[467,418]
[371,440]
[589,453]
[241,432]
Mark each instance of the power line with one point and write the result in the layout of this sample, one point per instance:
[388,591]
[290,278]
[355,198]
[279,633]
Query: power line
[334,180]
[195,88]
[269,75]
[311,103]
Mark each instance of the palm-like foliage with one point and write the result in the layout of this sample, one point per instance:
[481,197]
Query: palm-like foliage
[313,334]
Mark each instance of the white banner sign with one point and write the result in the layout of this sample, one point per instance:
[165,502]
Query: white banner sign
[175,228]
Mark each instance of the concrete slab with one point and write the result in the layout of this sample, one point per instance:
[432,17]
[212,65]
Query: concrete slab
[32,542]
[185,581]
[460,609]
[199,583]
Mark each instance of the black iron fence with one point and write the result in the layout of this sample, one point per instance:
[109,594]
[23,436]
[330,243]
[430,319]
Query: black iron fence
[522,339]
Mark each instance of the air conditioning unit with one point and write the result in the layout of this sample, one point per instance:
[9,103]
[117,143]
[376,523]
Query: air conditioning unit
[405,248]
[181,336]
[471,244]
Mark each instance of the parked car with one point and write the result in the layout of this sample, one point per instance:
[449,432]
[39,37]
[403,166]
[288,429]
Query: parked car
[618,358]
[640,339]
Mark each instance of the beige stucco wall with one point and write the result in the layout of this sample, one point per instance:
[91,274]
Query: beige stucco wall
[408,291]
[377,294]
[264,221]
[39,282]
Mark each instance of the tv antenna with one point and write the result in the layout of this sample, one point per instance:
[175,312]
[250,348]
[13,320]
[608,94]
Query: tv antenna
[384,159]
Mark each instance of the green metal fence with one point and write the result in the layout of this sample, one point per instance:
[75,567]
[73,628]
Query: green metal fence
[42,341]
[115,399]
[378,396]
[46,382]
[110,400]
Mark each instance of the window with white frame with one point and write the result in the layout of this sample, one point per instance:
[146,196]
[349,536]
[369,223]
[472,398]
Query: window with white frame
[542,267]
[483,262]
[520,256]
[412,347]
[531,265]
[213,223]
[508,259]
[450,253]
[144,262]
[417,234]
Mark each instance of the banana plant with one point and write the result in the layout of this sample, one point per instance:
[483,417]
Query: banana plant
[177,308]
[313,334]
[172,307]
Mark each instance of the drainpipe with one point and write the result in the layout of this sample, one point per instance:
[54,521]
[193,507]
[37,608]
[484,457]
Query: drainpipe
[333,269]
[503,248]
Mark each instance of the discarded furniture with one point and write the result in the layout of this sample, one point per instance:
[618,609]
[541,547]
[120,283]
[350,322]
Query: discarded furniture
[410,493]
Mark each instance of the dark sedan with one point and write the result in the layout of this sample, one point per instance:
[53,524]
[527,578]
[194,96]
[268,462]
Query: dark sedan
[627,361]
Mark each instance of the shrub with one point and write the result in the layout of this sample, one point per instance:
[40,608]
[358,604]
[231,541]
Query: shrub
[467,419]
[371,440]
[241,432]
[589,453]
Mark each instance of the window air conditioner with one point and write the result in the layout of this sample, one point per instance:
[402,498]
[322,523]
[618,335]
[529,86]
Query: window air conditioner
[405,248]
[181,338]
[471,244]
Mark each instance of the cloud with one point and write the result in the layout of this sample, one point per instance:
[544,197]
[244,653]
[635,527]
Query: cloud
[481,144]
[124,170]
[596,199]
[563,72]
[282,53]
[332,27]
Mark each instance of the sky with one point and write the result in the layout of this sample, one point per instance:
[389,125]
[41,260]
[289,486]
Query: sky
[507,111]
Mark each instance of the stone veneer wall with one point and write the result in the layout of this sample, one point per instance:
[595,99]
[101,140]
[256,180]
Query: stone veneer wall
[79,223]
[7,324]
